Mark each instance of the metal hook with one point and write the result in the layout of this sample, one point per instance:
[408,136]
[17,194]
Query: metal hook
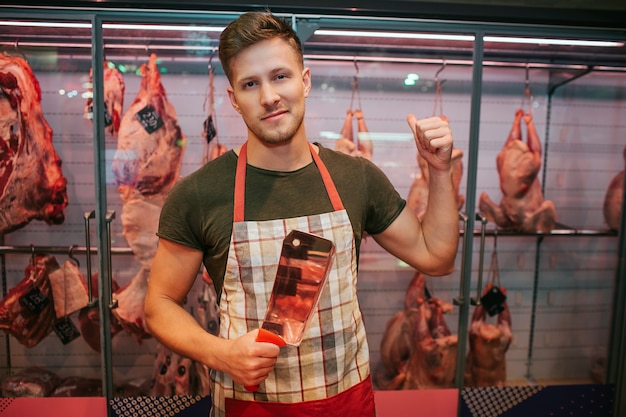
[70,254]
[32,255]
[211,59]
[356,67]
[443,65]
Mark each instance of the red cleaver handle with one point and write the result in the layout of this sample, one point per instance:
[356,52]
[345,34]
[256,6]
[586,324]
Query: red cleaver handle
[268,337]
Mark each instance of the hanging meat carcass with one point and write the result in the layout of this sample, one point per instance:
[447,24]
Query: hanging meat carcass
[488,344]
[150,142]
[89,318]
[32,185]
[417,198]
[347,144]
[212,146]
[417,349]
[522,207]
[146,166]
[27,311]
[613,200]
[114,88]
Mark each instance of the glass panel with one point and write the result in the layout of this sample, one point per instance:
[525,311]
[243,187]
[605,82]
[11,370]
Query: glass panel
[384,75]
[47,181]
[558,286]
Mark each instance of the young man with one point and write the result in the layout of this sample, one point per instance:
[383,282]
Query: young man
[233,213]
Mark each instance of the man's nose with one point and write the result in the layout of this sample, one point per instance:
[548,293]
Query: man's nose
[269,95]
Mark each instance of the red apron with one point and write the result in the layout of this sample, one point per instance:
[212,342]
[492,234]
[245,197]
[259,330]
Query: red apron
[328,374]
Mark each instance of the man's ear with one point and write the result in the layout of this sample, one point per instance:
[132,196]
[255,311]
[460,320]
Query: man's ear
[306,79]
[233,99]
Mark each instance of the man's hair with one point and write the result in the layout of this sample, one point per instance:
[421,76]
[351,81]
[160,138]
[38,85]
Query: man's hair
[251,28]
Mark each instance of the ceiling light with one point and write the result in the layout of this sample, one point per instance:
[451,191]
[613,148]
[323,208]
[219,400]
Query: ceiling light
[468,38]
[114,26]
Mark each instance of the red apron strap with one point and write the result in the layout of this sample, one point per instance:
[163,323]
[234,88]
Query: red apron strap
[240,184]
[328,181]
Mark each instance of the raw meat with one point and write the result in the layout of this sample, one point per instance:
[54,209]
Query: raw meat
[346,143]
[77,386]
[27,311]
[69,289]
[30,382]
[89,318]
[486,362]
[417,349]
[140,221]
[32,185]
[150,142]
[129,312]
[176,375]
[522,207]
[614,200]
[433,362]
[114,88]
[417,199]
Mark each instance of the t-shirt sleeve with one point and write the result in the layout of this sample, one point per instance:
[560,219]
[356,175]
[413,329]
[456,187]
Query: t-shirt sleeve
[384,202]
[178,221]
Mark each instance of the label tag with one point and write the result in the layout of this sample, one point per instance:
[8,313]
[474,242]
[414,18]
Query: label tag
[149,119]
[34,300]
[66,330]
[493,301]
[108,120]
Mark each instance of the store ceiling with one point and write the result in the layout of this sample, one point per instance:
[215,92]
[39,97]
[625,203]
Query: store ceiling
[180,44]
[596,13]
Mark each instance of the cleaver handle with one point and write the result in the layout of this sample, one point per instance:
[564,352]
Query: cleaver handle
[268,337]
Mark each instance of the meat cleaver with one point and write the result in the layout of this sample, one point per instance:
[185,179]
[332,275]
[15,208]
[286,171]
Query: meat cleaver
[303,268]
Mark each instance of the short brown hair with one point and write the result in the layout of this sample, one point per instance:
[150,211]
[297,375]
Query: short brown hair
[251,28]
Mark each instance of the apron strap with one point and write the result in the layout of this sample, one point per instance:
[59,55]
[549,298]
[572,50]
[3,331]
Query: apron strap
[240,183]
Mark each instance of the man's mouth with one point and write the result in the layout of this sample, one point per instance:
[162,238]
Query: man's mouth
[274,115]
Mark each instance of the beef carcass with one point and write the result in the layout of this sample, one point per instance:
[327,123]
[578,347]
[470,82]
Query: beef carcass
[27,311]
[114,88]
[522,207]
[32,185]
[417,198]
[613,200]
[488,344]
[130,299]
[78,386]
[140,221]
[150,142]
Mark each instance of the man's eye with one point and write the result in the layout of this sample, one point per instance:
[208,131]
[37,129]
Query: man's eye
[280,76]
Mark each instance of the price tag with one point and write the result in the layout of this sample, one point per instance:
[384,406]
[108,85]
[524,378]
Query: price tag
[493,301]
[34,300]
[66,330]
[209,129]
[149,119]
[108,120]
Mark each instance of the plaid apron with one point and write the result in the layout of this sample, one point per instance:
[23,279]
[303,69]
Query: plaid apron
[333,355]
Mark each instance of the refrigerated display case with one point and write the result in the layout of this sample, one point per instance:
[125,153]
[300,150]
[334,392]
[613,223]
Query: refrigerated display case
[557,284]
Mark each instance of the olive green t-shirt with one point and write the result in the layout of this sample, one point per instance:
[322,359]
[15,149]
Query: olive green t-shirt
[198,211]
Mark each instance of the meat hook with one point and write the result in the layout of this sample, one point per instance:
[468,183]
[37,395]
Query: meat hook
[70,254]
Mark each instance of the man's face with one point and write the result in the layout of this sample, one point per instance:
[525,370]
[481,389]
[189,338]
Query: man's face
[269,87]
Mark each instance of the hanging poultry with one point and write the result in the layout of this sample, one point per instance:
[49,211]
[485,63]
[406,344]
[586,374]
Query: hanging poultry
[522,207]
[417,349]
[486,361]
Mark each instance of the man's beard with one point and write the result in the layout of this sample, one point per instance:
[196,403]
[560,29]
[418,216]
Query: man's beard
[279,136]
